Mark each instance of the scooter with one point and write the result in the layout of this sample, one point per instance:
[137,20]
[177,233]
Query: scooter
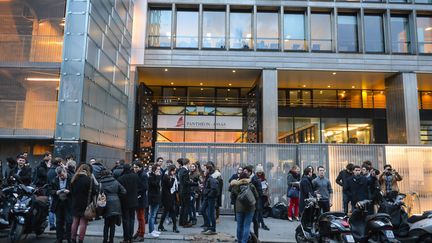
[322,227]
[407,230]
[29,214]
[376,228]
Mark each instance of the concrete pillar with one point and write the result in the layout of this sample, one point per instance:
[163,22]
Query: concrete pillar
[269,105]
[403,118]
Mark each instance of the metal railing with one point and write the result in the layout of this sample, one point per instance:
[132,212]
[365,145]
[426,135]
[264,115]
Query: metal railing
[30,48]
[332,103]
[414,163]
[175,100]
[28,118]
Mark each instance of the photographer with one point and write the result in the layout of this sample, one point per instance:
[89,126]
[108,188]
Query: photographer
[388,181]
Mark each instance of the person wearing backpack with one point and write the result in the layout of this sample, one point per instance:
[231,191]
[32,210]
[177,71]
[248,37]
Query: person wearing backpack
[246,198]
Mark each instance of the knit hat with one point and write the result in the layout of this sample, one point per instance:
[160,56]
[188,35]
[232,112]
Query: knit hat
[259,168]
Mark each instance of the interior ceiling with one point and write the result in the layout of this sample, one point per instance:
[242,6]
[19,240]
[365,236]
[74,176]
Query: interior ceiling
[424,81]
[196,76]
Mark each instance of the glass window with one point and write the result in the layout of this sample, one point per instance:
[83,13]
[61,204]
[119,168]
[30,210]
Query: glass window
[374,38]
[400,34]
[423,1]
[307,130]
[399,1]
[334,130]
[424,34]
[367,97]
[347,33]
[286,130]
[171,110]
[159,28]
[324,98]
[200,136]
[241,30]
[169,92]
[187,29]
[379,99]
[170,136]
[200,96]
[426,100]
[231,95]
[321,32]
[282,97]
[213,29]
[294,32]
[359,131]
[300,97]
[267,30]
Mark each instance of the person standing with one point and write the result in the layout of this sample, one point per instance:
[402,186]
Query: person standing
[81,186]
[218,176]
[306,188]
[129,201]
[244,213]
[142,200]
[112,213]
[51,175]
[209,200]
[41,171]
[342,180]
[234,176]
[61,204]
[184,191]
[254,180]
[322,186]
[154,197]
[263,200]
[293,192]
[97,167]
[22,172]
[389,181]
[169,197]
[194,176]
[357,187]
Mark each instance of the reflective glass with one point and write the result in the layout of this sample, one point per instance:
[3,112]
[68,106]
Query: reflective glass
[267,31]
[159,34]
[359,131]
[424,34]
[400,34]
[423,1]
[321,32]
[374,38]
[324,98]
[286,130]
[334,130]
[379,99]
[347,33]
[187,29]
[213,29]
[307,130]
[241,30]
[294,32]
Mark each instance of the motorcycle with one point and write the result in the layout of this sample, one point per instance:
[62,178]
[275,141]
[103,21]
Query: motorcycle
[407,230]
[376,228]
[322,227]
[30,212]
[8,196]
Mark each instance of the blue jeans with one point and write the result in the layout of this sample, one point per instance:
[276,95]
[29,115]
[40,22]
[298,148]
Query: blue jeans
[153,212]
[244,221]
[208,211]
[51,215]
[192,209]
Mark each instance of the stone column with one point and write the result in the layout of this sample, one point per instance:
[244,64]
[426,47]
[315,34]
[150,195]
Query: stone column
[403,117]
[269,105]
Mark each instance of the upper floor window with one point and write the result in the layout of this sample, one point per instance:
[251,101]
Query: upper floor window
[213,29]
[321,32]
[424,34]
[294,32]
[267,30]
[347,33]
[187,29]
[159,28]
[241,30]
[400,34]
[374,33]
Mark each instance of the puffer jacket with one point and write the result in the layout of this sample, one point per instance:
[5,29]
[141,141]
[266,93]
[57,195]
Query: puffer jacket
[211,187]
[112,189]
[235,185]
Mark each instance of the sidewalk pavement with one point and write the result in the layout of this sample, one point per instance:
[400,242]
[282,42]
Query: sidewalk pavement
[280,231]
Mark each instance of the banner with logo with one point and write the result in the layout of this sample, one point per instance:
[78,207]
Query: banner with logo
[200,122]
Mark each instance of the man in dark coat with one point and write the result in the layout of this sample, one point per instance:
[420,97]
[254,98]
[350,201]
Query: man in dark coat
[129,201]
[306,188]
[97,166]
[118,169]
[210,194]
[358,187]
[41,176]
[342,180]
[22,172]
[142,199]
[185,185]
[51,172]
[61,204]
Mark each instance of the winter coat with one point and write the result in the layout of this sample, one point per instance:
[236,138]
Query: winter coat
[117,171]
[235,185]
[130,182]
[97,168]
[394,185]
[167,197]
[211,187]
[358,188]
[343,178]
[194,176]
[112,189]
[79,193]
[184,182]
[41,177]
[51,173]
[305,189]
[65,199]
[24,175]
[143,189]
[293,179]
[218,176]
[154,192]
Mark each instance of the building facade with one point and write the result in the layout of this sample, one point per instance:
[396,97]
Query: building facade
[126,74]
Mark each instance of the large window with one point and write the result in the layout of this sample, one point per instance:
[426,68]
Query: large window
[213,29]
[294,32]
[159,28]
[334,130]
[374,38]
[321,32]
[267,30]
[400,34]
[187,29]
[424,34]
[240,30]
[347,33]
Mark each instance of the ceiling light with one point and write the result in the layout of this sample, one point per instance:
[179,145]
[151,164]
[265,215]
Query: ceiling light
[229,84]
[428,28]
[334,73]
[233,71]
[166,70]
[202,89]
[201,84]
[43,79]
[353,87]
[328,86]
[229,90]
[304,85]
[172,83]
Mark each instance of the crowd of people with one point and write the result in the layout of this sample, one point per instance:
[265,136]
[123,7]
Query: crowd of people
[136,192]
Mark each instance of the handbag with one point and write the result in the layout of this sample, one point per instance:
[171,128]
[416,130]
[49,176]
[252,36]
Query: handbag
[293,192]
[101,198]
[90,211]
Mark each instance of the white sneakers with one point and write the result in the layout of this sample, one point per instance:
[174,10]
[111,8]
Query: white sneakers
[155,234]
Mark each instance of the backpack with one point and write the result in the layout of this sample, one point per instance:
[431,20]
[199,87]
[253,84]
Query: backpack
[280,211]
[246,196]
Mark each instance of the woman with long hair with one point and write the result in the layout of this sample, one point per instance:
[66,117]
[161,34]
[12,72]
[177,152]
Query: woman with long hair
[81,185]
[293,192]
[263,201]
[169,197]
[154,197]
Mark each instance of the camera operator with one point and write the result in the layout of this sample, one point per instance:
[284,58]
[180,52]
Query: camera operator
[388,181]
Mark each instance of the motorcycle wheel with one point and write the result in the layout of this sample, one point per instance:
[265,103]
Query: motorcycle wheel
[299,236]
[16,232]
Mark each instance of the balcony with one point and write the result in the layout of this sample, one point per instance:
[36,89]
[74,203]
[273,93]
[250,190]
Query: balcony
[28,118]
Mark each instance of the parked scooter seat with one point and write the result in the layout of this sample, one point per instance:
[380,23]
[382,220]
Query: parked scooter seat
[416,218]
[335,214]
[377,216]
